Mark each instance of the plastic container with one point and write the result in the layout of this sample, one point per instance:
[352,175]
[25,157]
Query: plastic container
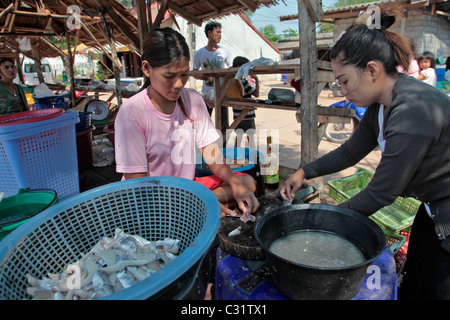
[153,208]
[394,241]
[281,94]
[85,121]
[440,74]
[232,155]
[395,217]
[40,154]
[16,210]
[58,101]
[84,148]
[11,122]
[443,86]
[109,129]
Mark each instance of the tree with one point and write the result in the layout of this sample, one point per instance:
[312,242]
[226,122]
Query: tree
[289,33]
[270,33]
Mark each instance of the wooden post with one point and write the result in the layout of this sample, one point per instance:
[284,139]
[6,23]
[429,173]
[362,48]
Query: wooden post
[308,14]
[109,31]
[71,73]
[143,25]
[37,63]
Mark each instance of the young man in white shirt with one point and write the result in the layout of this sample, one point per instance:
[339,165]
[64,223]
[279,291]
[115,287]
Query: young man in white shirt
[213,56]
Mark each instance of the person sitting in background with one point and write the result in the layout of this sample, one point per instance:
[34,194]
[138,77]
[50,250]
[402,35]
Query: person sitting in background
[12,96]
[248,123]
[427,64]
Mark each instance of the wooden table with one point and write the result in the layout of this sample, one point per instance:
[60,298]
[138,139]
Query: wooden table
[223,77]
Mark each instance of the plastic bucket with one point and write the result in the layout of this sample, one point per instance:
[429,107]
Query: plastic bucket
[109,129]
[16,210]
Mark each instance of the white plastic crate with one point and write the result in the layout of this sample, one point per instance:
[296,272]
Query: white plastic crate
[40,154]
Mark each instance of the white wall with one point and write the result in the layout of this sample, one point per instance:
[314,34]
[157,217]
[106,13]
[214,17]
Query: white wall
[237,36]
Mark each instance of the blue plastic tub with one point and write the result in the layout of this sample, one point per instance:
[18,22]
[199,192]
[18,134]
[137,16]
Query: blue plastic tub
[153,208]
[440,74]
[232,154]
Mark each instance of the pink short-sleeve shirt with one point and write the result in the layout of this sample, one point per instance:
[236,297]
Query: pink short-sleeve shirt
[147,140]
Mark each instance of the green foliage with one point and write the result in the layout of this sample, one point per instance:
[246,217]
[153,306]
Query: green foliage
[344,3]
[289,33]
[270,33]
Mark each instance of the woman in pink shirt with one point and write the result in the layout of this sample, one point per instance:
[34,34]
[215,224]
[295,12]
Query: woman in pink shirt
[158,130]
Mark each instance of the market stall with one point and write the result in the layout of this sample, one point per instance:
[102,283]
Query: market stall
[132,216]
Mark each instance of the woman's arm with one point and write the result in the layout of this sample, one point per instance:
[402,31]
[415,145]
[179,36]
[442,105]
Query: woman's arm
[256,93]
[129,176]
[245,198]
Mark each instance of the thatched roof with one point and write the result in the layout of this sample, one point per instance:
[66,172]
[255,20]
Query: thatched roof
[51,18]
[198,11]
[39,19]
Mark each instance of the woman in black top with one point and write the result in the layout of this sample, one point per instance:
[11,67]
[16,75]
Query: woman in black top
[410,122]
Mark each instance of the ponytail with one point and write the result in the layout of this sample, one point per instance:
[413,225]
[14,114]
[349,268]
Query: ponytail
[362,42]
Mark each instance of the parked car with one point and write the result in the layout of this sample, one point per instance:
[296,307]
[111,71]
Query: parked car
[30,73]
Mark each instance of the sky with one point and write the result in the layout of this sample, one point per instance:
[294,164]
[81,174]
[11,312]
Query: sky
[265,16]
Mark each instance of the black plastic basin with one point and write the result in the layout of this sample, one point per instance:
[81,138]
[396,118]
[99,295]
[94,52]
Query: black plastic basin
[302,282]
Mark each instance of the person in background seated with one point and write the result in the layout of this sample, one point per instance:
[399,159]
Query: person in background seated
[427,64]
[12,96]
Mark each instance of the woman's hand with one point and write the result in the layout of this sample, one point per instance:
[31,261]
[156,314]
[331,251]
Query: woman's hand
[291,185]
[244,196]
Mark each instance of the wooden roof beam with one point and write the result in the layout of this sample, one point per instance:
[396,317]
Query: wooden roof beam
[119,22]
[213,6]
[188,16]
[7,10]
[161,13]
[250,5]
[224,11]
[143,23]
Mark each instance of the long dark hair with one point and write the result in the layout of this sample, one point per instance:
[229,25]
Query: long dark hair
[361,44]
[163,46]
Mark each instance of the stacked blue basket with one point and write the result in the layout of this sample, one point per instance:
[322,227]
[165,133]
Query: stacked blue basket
[40,154]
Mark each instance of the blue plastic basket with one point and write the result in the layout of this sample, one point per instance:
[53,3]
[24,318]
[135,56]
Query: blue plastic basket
[41,154]
[58,101]
[153,208]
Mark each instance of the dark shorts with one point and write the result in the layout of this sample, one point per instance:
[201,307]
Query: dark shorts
[246,124]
